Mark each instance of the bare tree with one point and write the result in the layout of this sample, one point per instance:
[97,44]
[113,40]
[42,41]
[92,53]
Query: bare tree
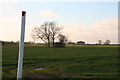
[107,42]
[62,39]
[46,32]
[54,31]
[99,42]
[42,33]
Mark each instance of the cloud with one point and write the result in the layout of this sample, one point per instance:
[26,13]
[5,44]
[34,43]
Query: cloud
[9,5]
[10,21]
[10,28]
[48,14]
[106,29]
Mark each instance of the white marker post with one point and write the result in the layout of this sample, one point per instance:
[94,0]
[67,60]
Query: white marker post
[21,47]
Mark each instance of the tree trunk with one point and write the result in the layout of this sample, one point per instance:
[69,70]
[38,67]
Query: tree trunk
[48,42]
[53,41]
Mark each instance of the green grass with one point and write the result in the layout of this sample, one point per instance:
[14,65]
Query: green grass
[81,61]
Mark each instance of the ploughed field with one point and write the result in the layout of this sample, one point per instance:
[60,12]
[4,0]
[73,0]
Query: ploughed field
[76,61]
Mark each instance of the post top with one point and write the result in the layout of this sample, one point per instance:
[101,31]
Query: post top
[23,13]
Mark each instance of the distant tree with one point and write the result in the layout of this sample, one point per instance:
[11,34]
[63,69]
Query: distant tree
[107,42]
[70,42]
[54,31]
[42,33]
[62,39]
[99,42]
[47,32]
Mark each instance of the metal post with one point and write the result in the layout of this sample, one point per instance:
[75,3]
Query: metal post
[21,48]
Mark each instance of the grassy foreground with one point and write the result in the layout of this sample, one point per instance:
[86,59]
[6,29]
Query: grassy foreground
[85,61]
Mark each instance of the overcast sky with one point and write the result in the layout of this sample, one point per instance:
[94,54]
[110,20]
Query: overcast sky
[87,21]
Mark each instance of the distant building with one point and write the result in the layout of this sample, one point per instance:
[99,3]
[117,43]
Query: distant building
[81,42]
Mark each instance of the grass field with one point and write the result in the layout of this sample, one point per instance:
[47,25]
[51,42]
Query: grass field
[85,61]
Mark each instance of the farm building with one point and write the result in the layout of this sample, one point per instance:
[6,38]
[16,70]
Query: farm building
[80,42]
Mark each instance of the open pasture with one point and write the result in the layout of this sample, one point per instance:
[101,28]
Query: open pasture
[76,61]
